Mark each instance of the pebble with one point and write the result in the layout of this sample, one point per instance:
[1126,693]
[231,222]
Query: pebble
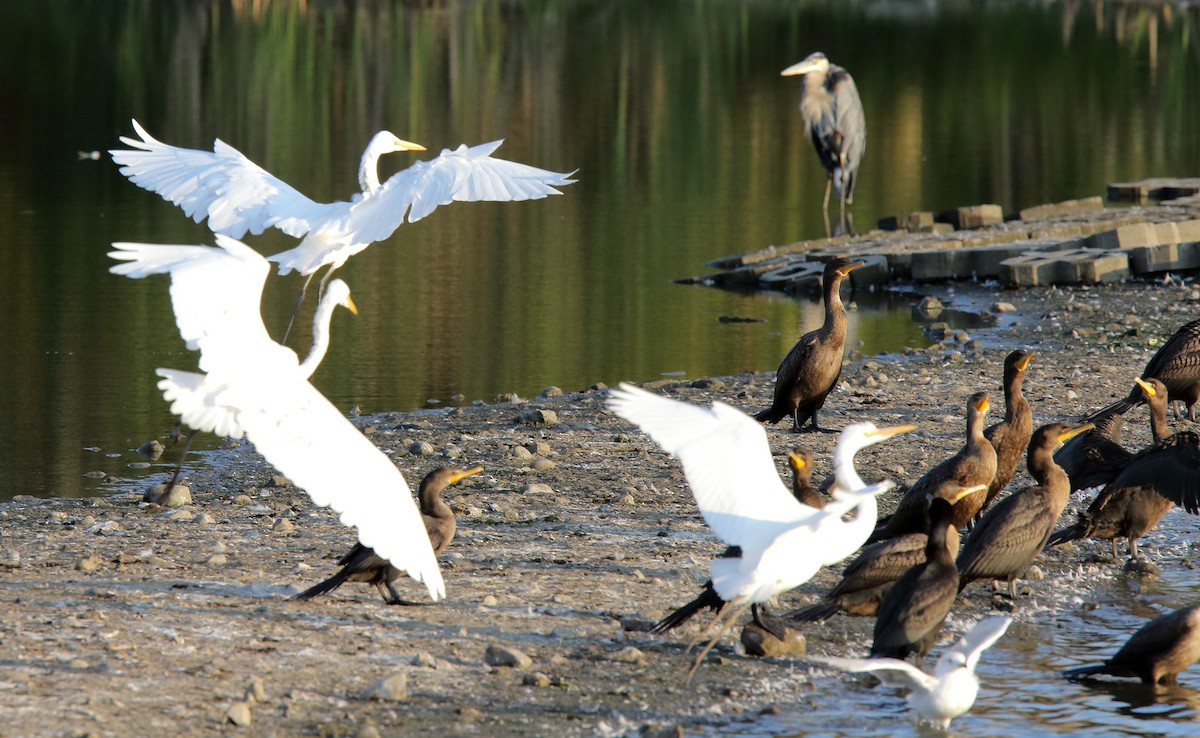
[538,417]
[550,391]
[283,527]
[537,488]
[520,453]
[151,449]
[1003,307]
[217,560]
[497,655]
[421,448]
[389,689]
[104,528]
[180,495]
[255,690]
[242,499]
[239,714]
[623,499]
[709,384]
[204,519]
[628,655]
[138,465]
[542,464]
[95,474]
[368,730]
[929,307]
[536,679]
[538,447]
[89,563]
[278,480]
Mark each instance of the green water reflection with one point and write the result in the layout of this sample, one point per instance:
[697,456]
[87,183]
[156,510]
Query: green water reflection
[686,140]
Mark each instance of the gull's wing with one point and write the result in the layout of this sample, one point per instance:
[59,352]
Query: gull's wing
[463,175]
[727,462]
[235,194]
[215,293]
[894,672]
[976,640]
[309,441]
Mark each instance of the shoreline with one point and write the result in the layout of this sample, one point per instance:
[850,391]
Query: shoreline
[127,619]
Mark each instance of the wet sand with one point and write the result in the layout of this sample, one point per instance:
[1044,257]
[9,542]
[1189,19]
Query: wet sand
[122,619]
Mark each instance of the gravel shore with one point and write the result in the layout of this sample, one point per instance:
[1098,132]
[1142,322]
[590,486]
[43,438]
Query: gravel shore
[122,618]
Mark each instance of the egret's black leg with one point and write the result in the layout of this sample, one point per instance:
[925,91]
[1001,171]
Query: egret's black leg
[296,309]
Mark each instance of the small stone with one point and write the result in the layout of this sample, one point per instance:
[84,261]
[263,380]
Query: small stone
[928,307]
[180,495]
[661,731]
[87,521]
[138,465]
[388,689]
[203,519]
[497,655]
[538,447]
[623,499]
[1143,567]
[538,417]
[217,559]
[278,480]
[537,488]
[536,679]
[489,600]
[520,453]
[368,730]
[283,527]
[239,714]
[1003,307]
[628,655]
[421,448]
[105,528]
[708,383]
[550,391]
[255,690]
[758,642]
[90,563]
[151,449]
[242,499]
[542,464]
[1034,574]
[425,659]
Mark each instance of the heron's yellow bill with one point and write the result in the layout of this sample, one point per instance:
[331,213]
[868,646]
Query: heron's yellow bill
[892,430]
[402,145]
[350,305]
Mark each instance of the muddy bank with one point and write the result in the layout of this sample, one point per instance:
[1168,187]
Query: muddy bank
[121,619]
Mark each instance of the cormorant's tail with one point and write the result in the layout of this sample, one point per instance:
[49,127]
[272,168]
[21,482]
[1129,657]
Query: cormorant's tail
[324,587]
[1120,407]
[1071,533]
[770,415]
[1084,672]
[881,531]
[817,613]
[707,599]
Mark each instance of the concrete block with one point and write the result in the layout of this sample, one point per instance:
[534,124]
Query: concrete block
[972,216]
[1188,230]
[1125,237]
[1090,266]
[747,275]
[875,271]
[799,273]
[1159,188]
[1029,270]
[1058,209]
[1164,257]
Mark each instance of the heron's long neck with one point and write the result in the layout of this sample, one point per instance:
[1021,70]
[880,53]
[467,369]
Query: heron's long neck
[368,173]
[847,476]
[320,336]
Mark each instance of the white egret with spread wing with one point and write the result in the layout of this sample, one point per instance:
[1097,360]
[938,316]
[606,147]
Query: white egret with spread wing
[253,386]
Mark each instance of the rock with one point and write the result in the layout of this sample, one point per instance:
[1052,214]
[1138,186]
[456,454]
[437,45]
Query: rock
[283,527]
[541,464]
[497,655]
[1034,574]
[95,474]
[255,690]
[520,453]
[1003,307]
[278,480]
[217,559]
[623,498]
[425,659]
[538,447]
[759,642]
[538,417]
[203,519]
[105,528]
[708,384]
[238,714]
[1143,567]
[628,655]
[242,499]
[180,495]
[421,448]
[368,730]
[537,488]
[653,730]
[928,307]
[89,563]
[389,689]
[550,391]
[151,449]
[536,679]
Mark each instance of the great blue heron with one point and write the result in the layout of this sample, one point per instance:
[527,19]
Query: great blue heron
[833,117]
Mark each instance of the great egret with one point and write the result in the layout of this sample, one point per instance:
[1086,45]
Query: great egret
[1156,653]
[255,387]
[727,462]
[811,369]
[951,690]
[833,118]
[1014,531]
[239,197]
[1010,437]
[362,564]
[1147,485]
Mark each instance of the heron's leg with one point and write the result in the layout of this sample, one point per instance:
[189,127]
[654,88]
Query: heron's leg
[828,186]
[729,613]
[325,280]
[179,466]
[1012,588]
[296,309]
[1133,548]
[1113,541]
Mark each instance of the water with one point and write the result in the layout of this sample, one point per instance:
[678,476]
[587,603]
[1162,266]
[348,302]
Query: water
[688,148]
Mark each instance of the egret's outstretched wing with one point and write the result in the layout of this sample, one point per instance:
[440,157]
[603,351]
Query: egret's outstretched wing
[308,440]
[462,175]
[199,402]
[974,642]
[894,672]
[727,462]
[215,293]
[235,194]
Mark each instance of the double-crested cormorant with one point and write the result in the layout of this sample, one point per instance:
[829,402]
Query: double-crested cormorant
[951,689]
[1177,366]
[1010,437]
[974,464]
[1147,486]
[912,611]
[800,462]
[811,369]
[362,564]
[1014,531]
[833,116]
[866,580]
[1095,458]
[1156,653]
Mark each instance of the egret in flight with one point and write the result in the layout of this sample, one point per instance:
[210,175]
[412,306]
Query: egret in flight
[253,386]
[727,462]
[239,197]
[950,691]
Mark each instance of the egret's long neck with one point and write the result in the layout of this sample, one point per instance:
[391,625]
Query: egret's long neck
[368,172]
[846,475]
[320,336]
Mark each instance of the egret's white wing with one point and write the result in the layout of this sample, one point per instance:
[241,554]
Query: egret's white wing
[235,194]
[894,672]
[198,402]
[463,175]
[976,640]
[727,462]
[304,436]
